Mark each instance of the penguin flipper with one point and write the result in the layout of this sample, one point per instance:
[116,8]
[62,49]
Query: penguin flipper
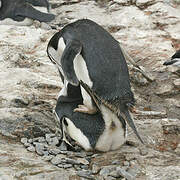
[26,10]
[72,50]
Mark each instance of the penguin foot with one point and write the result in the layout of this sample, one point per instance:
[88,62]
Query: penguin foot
[85,109]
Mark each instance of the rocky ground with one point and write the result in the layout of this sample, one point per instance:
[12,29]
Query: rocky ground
[29,84]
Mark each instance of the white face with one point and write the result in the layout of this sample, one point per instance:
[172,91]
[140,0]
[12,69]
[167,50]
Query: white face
[76,134]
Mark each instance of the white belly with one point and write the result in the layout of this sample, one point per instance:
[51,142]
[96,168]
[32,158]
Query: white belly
[112,138]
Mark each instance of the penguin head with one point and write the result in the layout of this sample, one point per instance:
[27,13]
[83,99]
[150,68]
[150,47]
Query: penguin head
[174,60]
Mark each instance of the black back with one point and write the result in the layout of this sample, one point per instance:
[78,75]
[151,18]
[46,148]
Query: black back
[105,61]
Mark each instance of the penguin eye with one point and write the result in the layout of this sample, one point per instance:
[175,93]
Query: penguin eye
[65,122]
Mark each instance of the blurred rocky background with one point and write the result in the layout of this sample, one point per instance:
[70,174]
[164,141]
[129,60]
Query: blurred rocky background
[149,30]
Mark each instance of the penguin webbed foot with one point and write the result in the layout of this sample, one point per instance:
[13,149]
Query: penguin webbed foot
[85,109]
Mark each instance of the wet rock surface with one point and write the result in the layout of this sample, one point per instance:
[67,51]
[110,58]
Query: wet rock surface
[30,138]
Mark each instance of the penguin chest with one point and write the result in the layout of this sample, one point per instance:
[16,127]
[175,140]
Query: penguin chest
[114,133]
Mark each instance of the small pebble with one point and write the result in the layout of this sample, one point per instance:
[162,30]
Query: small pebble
[58,159]
[48,157]
[40,148]
[27,144]
[30,140]
[83,161]
[116,162]
[77,168]
[85,167]
[86,174]
[55,151]
[95,169]
[124,173]
[126,163]
[65,166]
[106,170]
[24,140]
[143,151]
[31,148]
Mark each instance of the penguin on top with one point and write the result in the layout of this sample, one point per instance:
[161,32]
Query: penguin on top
[174,60]
[85,52]
[91,132]
[23,12]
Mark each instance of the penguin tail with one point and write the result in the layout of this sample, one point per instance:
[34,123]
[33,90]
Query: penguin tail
[127,117]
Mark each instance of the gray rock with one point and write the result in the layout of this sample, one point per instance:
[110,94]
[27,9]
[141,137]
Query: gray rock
[123,173]
[54,141]
[40,148]
[176,83]
[31,149]
[106,170]
[116,162]
[65,166]
[126,163]
[77,167]
[30,140]
[95,169]
[27,144]
[85,174]
[143,151]
[48,157]
[85,167]
[24,140]
[58,159]
[54,151]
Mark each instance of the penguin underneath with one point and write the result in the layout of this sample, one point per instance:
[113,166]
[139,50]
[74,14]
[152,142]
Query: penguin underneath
[91,132]
[23,12]
[84,51]
[174,60]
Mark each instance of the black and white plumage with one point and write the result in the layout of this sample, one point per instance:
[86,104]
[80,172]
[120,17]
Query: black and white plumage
[174,60]
[92,132]
[23,12]
[85,52]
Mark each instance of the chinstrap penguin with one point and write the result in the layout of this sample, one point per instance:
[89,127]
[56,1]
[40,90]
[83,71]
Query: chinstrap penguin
[91,132]
[174,60]
[84,51]
[23,12]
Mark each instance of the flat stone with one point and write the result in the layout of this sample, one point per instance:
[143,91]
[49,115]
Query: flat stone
[65,166]
[143,151]
[48,157]
[164,89]
[24,140]
[54,151]
[82,161]
[31,149]
[40,148]
[57,159]
[86,174]
[95,169]
[176,83]
[124,173]
[27,144]
[106,170]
